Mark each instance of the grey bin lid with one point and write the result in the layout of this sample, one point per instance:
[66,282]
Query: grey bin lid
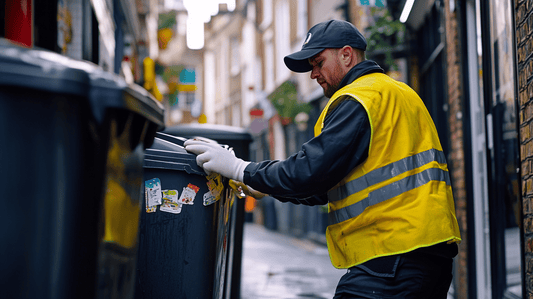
[41,70]
[169,155]
[48,71]
[215,132]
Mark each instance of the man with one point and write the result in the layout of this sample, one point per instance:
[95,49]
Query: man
[377,162]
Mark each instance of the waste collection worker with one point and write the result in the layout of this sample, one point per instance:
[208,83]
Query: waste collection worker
[376,160]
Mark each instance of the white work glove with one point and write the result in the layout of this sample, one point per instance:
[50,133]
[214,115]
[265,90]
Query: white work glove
[212,157]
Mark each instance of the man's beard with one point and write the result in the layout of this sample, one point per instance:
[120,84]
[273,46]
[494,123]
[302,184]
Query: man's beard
[330,90]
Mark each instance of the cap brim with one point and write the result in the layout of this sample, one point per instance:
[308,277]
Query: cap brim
[298,61]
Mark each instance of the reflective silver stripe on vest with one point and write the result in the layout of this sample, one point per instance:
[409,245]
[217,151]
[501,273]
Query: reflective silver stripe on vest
[387,192]
[386,172]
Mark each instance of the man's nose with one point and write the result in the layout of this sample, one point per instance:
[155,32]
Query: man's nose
[314,74]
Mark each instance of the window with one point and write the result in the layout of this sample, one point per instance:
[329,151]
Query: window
[267,13]
[302,18]
[430,40]
[282,40]
[500,107]
[269,66]
[236,115]
[235,56]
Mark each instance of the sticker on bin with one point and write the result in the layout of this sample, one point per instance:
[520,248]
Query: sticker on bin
[210,198]
[153,194]
[170,202]
[188,194]
[215,186]
[214,183]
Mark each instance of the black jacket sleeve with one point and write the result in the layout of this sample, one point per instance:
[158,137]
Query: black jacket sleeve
[321,163]
[314,200]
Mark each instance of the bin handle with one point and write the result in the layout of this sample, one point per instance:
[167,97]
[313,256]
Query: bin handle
[170,138]
[181,140]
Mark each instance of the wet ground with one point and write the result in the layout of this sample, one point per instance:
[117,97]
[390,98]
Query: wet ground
[278,266]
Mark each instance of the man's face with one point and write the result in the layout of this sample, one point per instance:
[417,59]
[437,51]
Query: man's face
[327,70]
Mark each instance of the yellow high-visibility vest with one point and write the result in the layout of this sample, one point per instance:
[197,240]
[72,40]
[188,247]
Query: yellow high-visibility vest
[400,198]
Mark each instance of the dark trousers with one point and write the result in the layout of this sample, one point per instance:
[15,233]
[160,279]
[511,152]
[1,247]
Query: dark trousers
[413,276]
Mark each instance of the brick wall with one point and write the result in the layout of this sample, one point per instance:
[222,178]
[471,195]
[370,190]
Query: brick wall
[524,47]
[456,160]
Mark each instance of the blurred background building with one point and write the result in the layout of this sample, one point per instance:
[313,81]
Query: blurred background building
[221,62]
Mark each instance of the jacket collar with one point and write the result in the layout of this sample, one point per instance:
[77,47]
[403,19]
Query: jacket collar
[361,69]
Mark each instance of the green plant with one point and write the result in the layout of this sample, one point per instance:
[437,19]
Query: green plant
[285,101]
[384,35]
[166,20]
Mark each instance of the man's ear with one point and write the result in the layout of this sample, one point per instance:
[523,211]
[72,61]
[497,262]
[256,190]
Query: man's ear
[347,55]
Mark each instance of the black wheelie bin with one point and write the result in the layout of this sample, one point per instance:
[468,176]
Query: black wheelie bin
[239,140]
[72,138]
[183,237]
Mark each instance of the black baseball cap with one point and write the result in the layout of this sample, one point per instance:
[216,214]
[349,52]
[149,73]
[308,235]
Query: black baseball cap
[329,34]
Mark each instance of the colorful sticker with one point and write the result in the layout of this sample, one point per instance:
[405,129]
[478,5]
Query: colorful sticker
[188,194]
[152,194]
[214,182]
[215,186]
[170,202]
[210,198]
[148,208]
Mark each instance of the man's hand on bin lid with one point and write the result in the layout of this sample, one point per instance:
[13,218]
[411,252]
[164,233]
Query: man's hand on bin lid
[212,157]
[204,139]
[247,190]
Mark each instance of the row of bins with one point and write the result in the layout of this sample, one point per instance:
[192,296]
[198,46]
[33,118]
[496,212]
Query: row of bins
[78,150]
